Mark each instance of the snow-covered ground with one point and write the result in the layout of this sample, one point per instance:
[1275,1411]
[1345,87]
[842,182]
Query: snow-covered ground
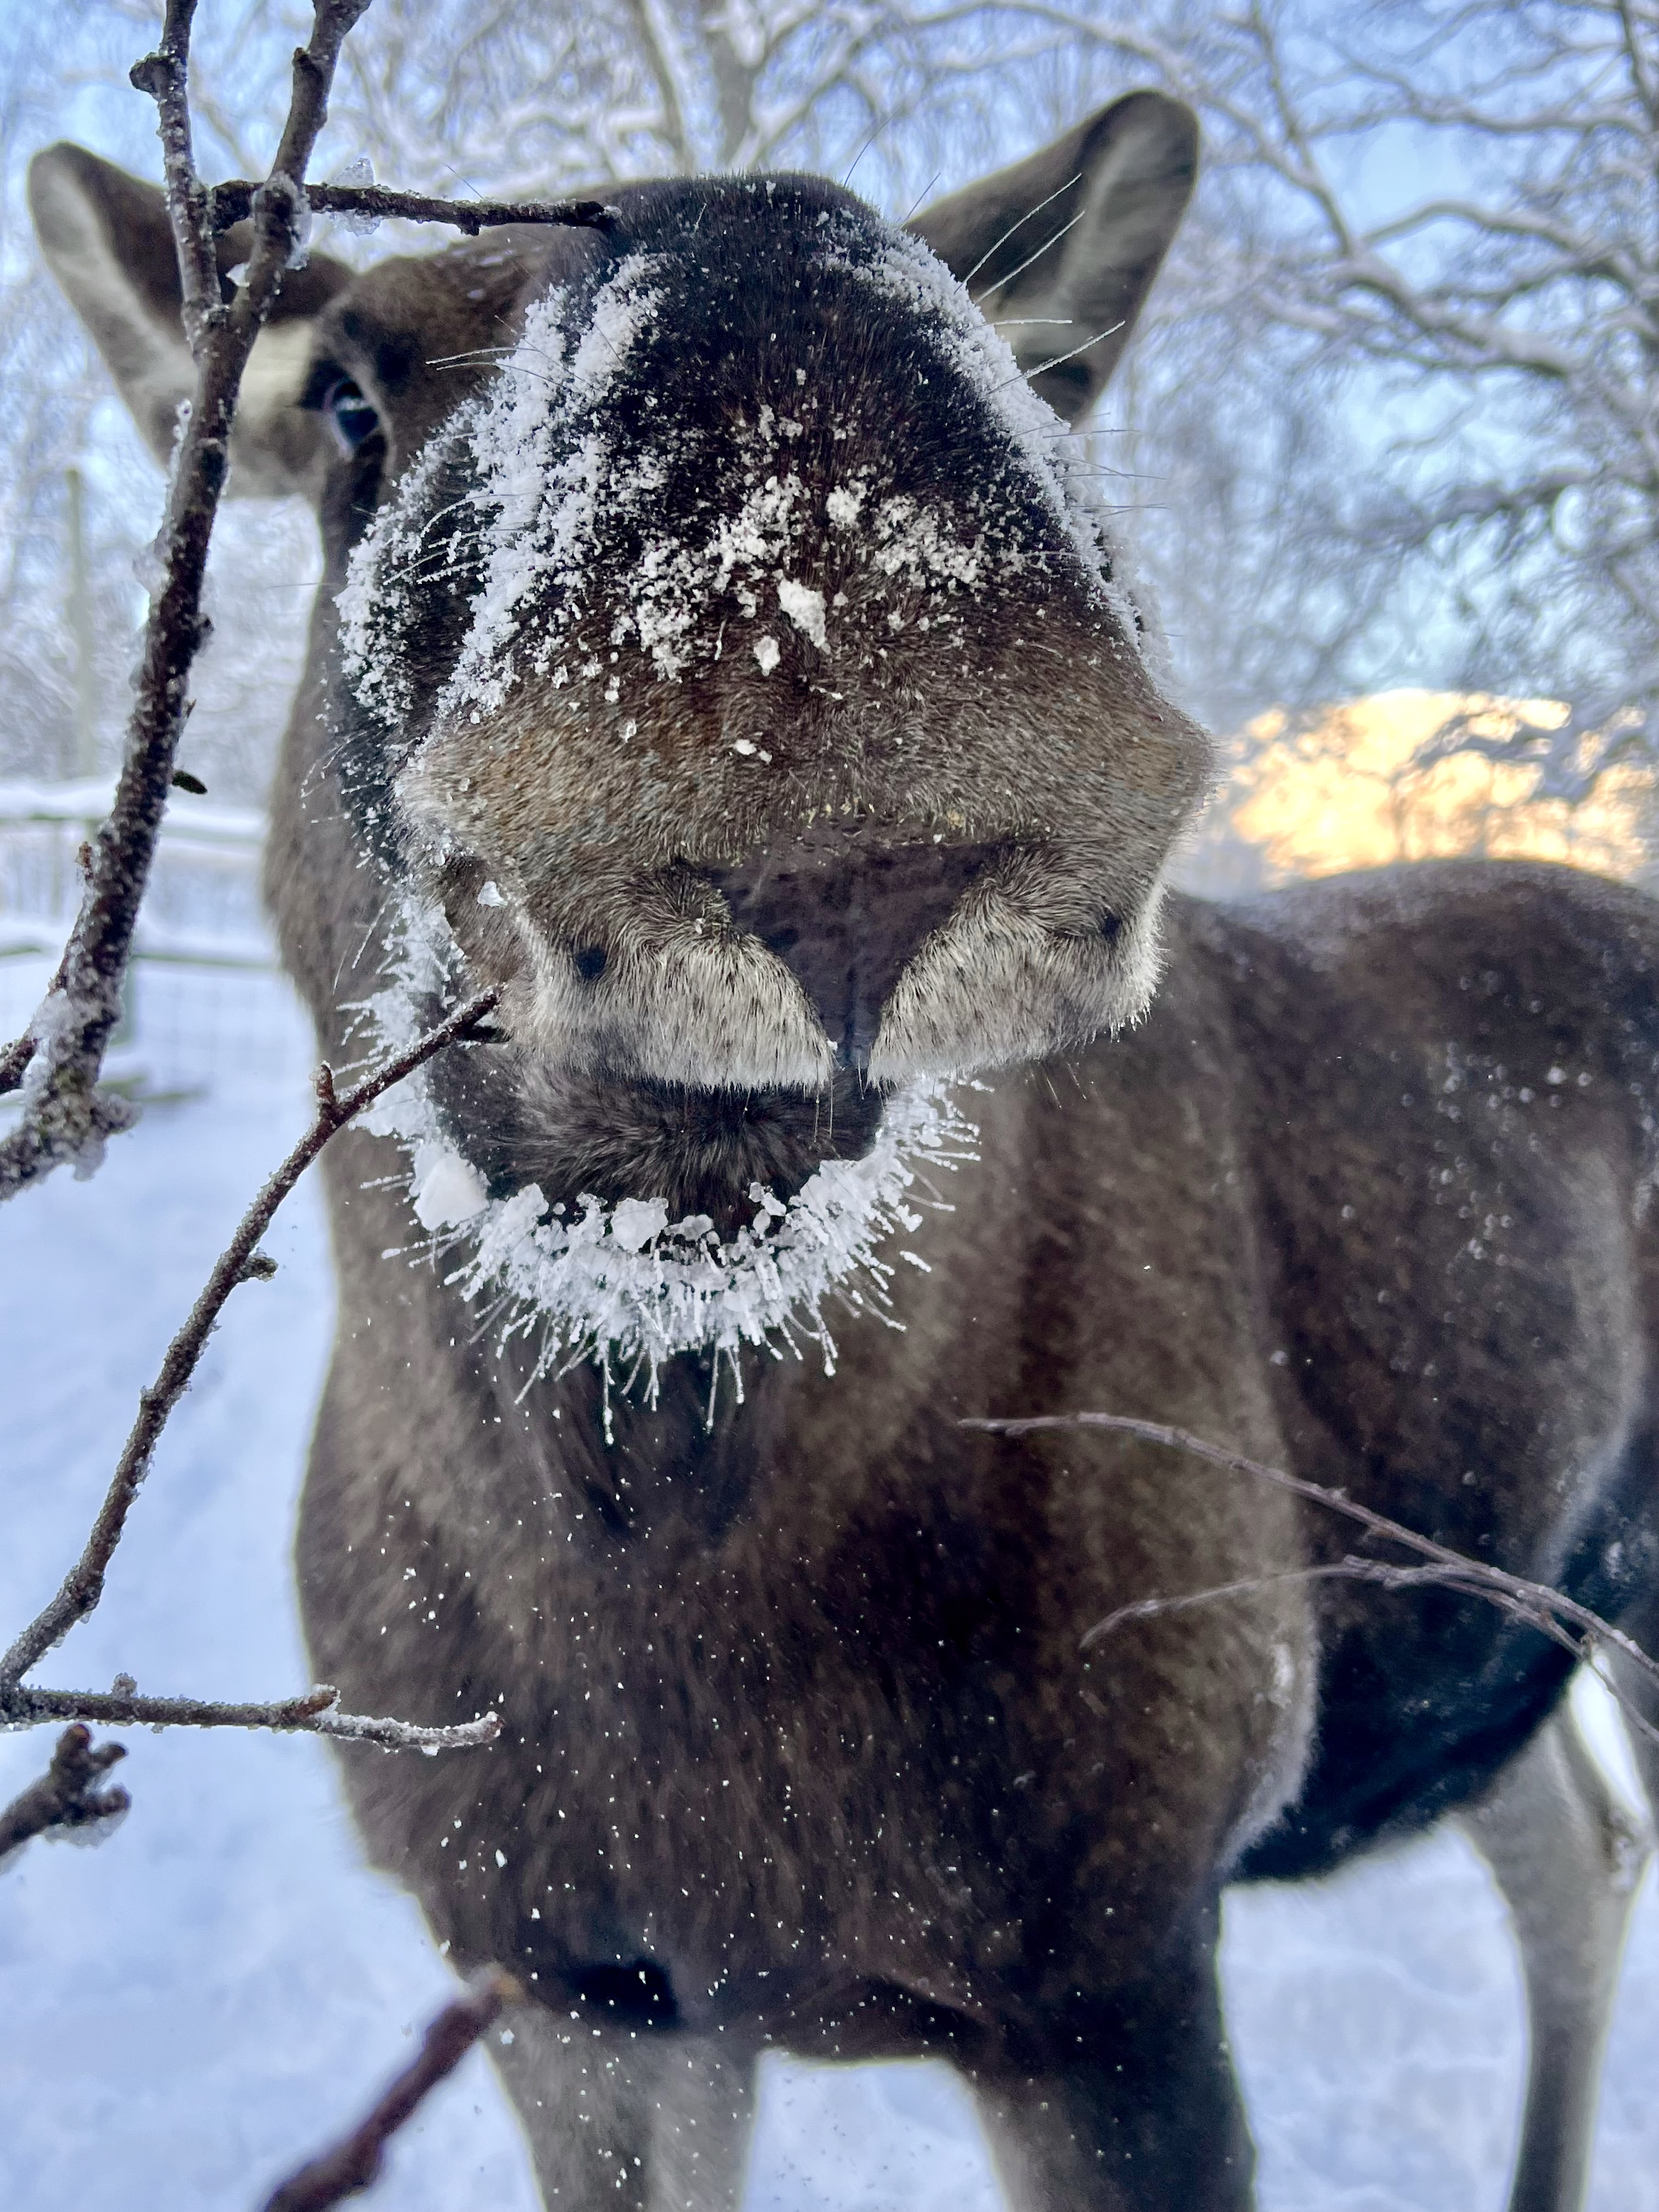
[190,2007]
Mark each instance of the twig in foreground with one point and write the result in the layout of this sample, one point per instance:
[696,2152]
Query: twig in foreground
[241,1261]
[315,1713]
[70,1794]
[233,202]
[1550,1611]
[13,1061]
[354,2162]
[57,1064]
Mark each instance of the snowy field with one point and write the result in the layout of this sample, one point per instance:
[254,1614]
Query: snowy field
[187,2009]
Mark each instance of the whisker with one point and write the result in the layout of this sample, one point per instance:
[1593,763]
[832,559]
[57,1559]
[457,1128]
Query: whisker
[1013,227]
[862,151]
[1006,282]
[478,353]
[921,197]
[1043,367]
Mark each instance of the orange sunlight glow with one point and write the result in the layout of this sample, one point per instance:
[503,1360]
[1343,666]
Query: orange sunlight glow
[1344,793]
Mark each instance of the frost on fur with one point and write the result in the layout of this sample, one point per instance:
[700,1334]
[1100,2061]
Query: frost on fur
[529,479]
[620,1285]
[912,272]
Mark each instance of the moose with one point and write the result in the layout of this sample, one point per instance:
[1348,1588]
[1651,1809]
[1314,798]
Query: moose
[723,653]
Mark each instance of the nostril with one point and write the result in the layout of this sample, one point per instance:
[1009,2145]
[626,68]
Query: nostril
[847,919]
[589,962]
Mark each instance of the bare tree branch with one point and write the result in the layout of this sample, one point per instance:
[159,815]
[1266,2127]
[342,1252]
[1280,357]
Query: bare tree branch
[354,2162]
[316,1713]
[240,1261]
[14,1061]
[313,75]
[66,1118]
[165,76]
[232,202]
[70,1794]
[1551,1611]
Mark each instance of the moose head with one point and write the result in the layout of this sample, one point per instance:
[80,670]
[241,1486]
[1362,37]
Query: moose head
[723,650]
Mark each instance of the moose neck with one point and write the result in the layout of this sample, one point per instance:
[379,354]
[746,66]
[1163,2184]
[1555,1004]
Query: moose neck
[672,1476]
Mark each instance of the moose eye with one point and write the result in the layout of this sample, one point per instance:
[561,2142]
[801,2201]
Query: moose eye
[351,417]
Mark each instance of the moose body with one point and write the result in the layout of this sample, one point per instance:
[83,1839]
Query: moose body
[754,824]
[811,1755]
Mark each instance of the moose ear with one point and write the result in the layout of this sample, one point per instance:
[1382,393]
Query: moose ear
[106,240]
[1061,250]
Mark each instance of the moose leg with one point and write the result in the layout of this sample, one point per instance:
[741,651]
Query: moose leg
[1141,2114]
[1641,1694]
[634,2122]
[1567,1859]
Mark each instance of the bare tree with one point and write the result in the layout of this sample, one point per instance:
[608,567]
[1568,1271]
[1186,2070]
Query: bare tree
[1436,223]
[49,389]
[56,1063]
[521,95]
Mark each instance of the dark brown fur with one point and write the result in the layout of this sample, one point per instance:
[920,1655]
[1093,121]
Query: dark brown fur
[801,1743]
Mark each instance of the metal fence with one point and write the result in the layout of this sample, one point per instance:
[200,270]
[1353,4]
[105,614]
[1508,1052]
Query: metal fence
[205,1003]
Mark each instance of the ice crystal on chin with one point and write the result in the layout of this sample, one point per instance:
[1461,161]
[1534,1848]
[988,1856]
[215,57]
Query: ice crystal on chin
[620,1285]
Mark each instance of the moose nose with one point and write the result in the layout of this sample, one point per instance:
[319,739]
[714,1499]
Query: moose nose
[845,918]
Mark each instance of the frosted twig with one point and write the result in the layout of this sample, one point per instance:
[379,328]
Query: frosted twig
[1551,1611]
[165,76]
[241,1260]
[14,1059]
[66,1117]
[232,202]
[1349,1570]
[354,2162]
[315,1713]
[70,1794]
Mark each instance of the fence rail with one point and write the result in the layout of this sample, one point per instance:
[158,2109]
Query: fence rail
[205,1000]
